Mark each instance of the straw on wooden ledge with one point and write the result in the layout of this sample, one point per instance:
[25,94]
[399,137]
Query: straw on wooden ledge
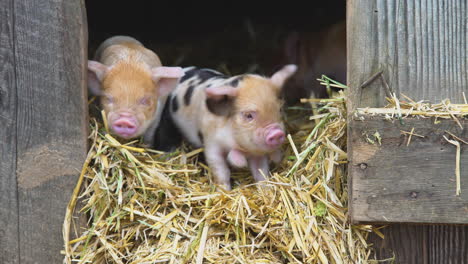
[395,106]
[151,207]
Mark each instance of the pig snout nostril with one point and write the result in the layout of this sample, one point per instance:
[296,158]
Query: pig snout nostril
[275,138]
[124,128]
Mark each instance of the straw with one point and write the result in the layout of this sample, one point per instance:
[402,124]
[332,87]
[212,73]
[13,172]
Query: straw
[146,206]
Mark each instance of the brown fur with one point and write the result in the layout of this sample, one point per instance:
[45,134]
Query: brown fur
[230,135]
[259,95]
[127,84]
[128,79]
[255,94]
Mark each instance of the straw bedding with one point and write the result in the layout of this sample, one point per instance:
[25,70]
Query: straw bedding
[143,206]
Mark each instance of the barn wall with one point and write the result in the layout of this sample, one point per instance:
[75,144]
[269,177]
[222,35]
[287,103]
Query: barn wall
[43,112]
[9,245]
[420,46]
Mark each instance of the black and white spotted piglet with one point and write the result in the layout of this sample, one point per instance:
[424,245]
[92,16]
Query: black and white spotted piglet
[236,119]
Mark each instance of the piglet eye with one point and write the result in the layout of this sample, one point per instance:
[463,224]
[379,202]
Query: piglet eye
[248,116]
[144,101]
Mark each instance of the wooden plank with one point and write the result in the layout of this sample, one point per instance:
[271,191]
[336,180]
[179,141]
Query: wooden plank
[415,183]
[423,244]
[377,31]
[9,247]
[50,54]
[419,45]
[405,243]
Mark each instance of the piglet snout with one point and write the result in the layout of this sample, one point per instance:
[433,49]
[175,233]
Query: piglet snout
[125,127]
[274,137]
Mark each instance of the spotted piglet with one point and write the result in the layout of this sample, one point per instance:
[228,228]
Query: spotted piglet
[132,86]
[236,119]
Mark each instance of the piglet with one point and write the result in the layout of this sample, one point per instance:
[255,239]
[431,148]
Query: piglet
[315,53]
[236,119]
[132,86]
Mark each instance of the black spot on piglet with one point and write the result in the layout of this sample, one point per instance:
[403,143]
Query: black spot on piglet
[188,94]
[205,75]
[174,104]
[202,75]
[167,136]
[189,74]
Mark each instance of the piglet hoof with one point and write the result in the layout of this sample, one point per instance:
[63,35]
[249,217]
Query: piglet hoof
[223,187]
[276,156]
[236,158]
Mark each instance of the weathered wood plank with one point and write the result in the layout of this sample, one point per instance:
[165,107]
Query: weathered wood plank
[420,46]
[9,246]
[404,243]
[420,26]
[423,244]
[50,55]
[396,182]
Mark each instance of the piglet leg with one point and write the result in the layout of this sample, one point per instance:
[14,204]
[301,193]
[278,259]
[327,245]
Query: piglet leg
[259,165]
[236,158]
[218,165]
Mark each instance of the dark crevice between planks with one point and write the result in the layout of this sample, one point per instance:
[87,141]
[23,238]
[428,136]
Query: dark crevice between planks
[16,132]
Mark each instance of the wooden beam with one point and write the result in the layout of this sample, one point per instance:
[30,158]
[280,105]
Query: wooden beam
[9,246]
[406,173]
[420,47]
[50,55]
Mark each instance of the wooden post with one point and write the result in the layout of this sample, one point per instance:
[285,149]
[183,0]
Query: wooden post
[421,48]
[9,236]
[43,111]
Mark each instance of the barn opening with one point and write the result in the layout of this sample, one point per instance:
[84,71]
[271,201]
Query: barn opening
[230,42]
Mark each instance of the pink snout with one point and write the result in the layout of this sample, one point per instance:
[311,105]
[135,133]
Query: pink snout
[275,137]
[125,127]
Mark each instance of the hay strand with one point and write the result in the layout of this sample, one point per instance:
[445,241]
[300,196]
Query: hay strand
[457,164]
[146,206]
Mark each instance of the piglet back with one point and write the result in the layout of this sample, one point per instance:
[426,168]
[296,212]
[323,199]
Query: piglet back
[116,40]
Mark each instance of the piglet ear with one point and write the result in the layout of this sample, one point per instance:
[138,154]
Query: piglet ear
[221,92]
[219,99]
[96,73]
[166,78]
[280,77]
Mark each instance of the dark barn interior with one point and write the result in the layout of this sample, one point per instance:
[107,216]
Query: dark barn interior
[231,42]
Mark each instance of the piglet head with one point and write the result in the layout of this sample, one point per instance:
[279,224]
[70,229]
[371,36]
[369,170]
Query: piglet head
[129,94]
[253,109]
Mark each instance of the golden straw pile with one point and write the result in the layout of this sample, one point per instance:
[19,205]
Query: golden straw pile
[149,207]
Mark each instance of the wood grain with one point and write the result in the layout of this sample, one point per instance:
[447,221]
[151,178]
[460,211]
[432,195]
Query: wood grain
[423,244]
[50,56]
[420,45]
[396,182]
[9,246]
